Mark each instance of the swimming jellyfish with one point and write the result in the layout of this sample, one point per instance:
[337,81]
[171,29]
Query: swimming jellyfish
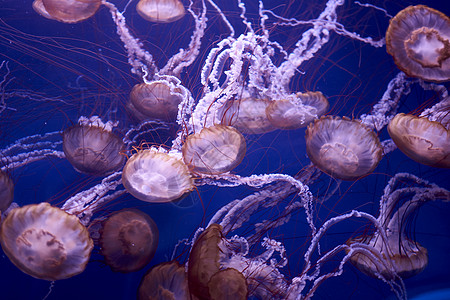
[298,112]
[160,11]
[424,141]
[67,11]
[45,242]
[6,191]
[128,240]
[214,150]
[92,149]
[156,177]
[419,41]
[343,148]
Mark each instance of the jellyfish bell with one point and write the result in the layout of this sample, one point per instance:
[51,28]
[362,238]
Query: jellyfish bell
[418,38]
[298,112]
[342,148]
[67,11]
[228,284]
[160,11]
[424,141]
[6,191]
[92,148]
[214,150]
[128,240]
[156,177]
[45,242]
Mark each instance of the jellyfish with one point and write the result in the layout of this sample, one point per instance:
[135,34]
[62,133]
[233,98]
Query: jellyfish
[128,240]
[298,112]
[93,148]
[342,148]
[424,141]
[6,191]
[160,11]
[418,40]
[165,281]
[45,242]
[214,150]
[156,177]
[67,11]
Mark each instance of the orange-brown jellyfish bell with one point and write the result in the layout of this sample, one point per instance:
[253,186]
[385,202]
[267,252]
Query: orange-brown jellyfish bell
[92,149]
[228,284]
[67,11]
[424,141]
[128,240]
[6,191]
[156,100]
[160,11]
[299,112]
[166,281]
[214,150]
[156,177]
[418,38]
[342,148]
[45,242]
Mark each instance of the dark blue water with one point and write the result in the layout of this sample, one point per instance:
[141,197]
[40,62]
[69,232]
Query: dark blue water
[61,71]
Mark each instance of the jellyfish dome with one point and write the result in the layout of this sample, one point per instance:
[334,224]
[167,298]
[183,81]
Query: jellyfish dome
[160,11]
[342,148]
[418,38]
[298,112]
[424,141]
[165,281]
[45,242]
[155,100]
[67,11]
[129,240]
[214,150]
[156,177]
[92,149]
[6,191]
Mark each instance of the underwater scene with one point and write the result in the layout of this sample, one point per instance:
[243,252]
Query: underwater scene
[224,149]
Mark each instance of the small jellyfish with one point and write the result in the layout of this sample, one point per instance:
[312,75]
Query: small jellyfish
[166,281]
[160,11]
[93,150]
[214,150]
[418,38]
[424,141]
[67,11]
[228,284]
[156,177]
[247,115]
[343,148]
[299,112]
[128,240]
[6,191]
[45,242]
[155,100]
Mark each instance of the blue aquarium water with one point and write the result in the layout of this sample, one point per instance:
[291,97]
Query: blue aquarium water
[53,73]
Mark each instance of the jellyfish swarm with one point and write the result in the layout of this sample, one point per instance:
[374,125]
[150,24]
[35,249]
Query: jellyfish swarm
[156,177]
[418,38]
[67,11]
[214,150]
[45,242]
[424,141]
[92,149]
[160,11]
[343,148]
[6,191]
[128,240]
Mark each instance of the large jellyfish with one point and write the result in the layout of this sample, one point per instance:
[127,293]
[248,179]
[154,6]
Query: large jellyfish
[67,11]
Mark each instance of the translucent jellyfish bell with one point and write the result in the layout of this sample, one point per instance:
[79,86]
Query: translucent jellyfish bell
[160,11]
[45,242]
[418,38]
[129,240]
[424,141]
[67,11]
[156,177]
[92,149]
[214,150]
[342,148]
[6,191]
[297,113]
